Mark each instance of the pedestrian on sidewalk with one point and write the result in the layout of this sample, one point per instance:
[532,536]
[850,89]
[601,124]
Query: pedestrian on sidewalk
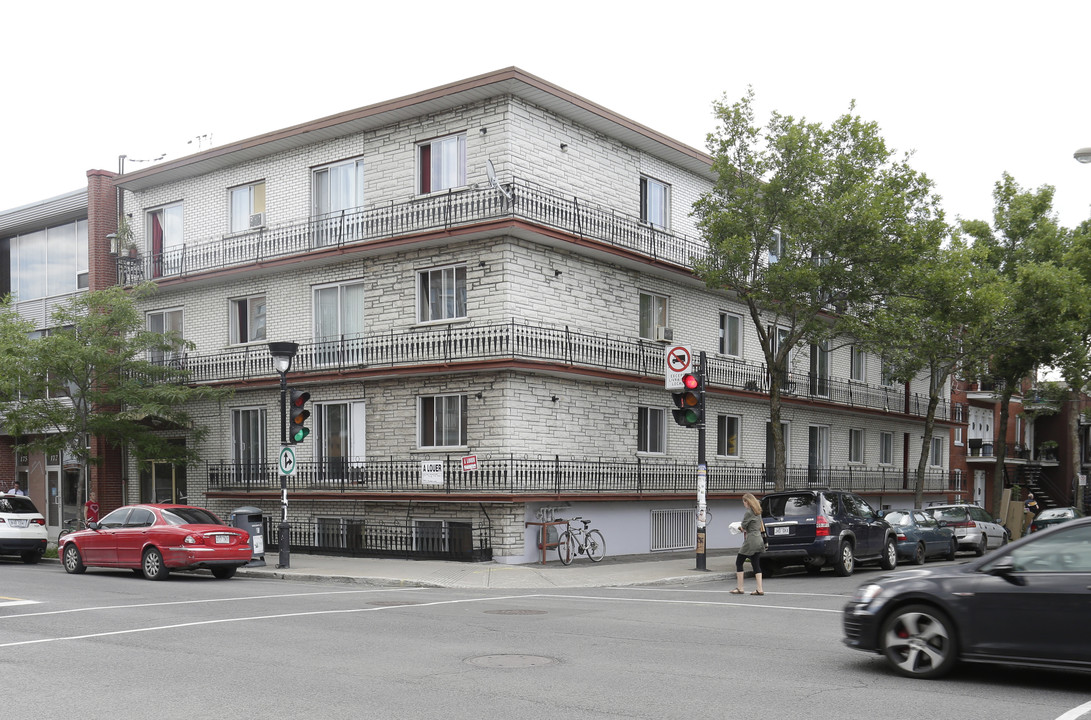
[753,544]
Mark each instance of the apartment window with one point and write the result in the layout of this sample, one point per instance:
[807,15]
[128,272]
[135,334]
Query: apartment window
[818,453]
[778,337]
[338,187]
[442,536]
[727,435]
[655,202]
[442,421]
[886,448]
[651,430]
[164,322]
[820,369]
[248,441]
[935,459]
[340,430]
[165,231]
[338,311]
[856,445]
[730,334]
[247,207]
[50,262]
[247,322]
[441,294]
[886,373]
[441,164]
[653,314]
[776,246]
[958,436]
[857,369]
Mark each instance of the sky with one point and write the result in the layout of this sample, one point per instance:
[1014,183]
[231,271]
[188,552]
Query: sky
[971,88]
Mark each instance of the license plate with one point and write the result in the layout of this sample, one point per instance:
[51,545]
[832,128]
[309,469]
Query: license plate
[780,531]
[19,523]
[222,539]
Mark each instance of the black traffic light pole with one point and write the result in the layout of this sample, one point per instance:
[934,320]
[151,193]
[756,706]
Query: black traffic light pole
[702,468]
[282,354]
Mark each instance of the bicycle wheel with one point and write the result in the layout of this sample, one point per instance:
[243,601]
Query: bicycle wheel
[596,546]
[566,548]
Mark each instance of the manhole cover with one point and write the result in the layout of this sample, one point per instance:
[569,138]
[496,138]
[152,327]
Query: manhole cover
[515,612]
[510,661]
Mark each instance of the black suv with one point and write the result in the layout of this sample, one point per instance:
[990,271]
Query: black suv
[815,528]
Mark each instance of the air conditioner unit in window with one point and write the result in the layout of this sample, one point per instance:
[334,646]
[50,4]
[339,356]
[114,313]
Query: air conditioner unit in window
[664,334]
[257,220]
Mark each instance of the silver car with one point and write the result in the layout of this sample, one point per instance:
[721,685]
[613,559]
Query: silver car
[975,529]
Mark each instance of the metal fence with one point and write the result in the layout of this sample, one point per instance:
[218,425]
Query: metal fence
[357,537]
[510,475]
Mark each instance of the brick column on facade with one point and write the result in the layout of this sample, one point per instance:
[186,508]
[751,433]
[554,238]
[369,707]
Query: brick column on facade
[101,221]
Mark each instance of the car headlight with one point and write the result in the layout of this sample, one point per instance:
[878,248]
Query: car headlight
[866,593]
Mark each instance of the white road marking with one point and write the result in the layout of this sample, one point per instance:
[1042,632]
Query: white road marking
[12,602]
[1075,713]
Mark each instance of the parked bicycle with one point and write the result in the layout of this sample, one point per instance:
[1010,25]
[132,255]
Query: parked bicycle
[581,541]
[70,526]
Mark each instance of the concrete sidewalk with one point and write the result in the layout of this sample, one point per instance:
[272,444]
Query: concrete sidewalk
[611,572]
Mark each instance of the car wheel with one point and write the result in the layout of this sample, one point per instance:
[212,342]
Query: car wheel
[919,642]
[846,561]
[889,560]
[153,566]
[223,573]
[73,563]
[918,556]
[981,547]
[953,550]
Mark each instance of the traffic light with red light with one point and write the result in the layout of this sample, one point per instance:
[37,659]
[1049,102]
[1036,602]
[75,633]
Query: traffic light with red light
[298,414]
[690,403]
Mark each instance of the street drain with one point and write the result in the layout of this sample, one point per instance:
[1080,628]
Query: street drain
[515,612]
[510,661]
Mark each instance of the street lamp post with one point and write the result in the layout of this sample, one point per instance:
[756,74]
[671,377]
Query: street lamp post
[282,353]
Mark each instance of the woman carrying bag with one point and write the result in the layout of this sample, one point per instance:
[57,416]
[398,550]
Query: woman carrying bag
[753,544]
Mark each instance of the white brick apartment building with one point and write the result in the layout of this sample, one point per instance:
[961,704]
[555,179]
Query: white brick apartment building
[440,314]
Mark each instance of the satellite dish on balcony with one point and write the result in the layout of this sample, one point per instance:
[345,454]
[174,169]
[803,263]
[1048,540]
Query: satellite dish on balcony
[491,172]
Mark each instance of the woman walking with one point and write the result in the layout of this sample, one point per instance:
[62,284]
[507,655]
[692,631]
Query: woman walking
[752,545]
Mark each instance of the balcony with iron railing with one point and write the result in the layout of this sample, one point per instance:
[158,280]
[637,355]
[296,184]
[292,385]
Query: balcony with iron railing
[526,201]
[506,475]
[451,345]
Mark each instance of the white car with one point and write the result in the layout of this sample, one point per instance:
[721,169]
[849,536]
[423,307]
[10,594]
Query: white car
[22,528]
[975,529]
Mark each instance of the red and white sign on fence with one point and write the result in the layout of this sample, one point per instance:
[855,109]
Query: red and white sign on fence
[469,462]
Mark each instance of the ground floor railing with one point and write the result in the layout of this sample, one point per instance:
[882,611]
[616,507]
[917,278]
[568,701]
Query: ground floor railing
[357,537]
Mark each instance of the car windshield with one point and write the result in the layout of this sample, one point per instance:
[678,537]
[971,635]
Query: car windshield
[790,505]
[17,504]
[898,517]
[948,514]
[190,516]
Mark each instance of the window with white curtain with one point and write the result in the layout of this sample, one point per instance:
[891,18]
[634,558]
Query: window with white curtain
[857,364]
[730,334]
[338,311]
[653,314]
[441,164]
[247,207]
[936,456]
[651,430]
[856,445]
[163,322]
[886,448]
[655,202]
[442,421]
[441,293]
[339,187]
[247,319]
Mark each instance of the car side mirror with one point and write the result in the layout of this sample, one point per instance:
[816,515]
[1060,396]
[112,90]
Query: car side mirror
[1006,569]
[93,525]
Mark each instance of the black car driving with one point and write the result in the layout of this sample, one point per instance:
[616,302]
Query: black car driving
[924,621]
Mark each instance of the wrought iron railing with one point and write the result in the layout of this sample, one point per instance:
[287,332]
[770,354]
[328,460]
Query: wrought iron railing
[358,537]
[528,201]
[510,475]
[452,344]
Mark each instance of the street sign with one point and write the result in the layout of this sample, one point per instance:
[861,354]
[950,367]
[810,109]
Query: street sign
[677,362]
[286,462]
[469,462]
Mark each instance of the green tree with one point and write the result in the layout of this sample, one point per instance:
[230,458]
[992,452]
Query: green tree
[932,328]
[91,376]
[1026,248]
[804,219]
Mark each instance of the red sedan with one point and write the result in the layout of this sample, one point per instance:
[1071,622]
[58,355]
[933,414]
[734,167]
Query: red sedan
[155,539]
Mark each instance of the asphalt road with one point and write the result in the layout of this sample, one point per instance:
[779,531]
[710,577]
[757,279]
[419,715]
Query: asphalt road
[109,644]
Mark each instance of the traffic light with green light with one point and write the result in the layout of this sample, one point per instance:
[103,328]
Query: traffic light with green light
[297,429]
[690,403]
